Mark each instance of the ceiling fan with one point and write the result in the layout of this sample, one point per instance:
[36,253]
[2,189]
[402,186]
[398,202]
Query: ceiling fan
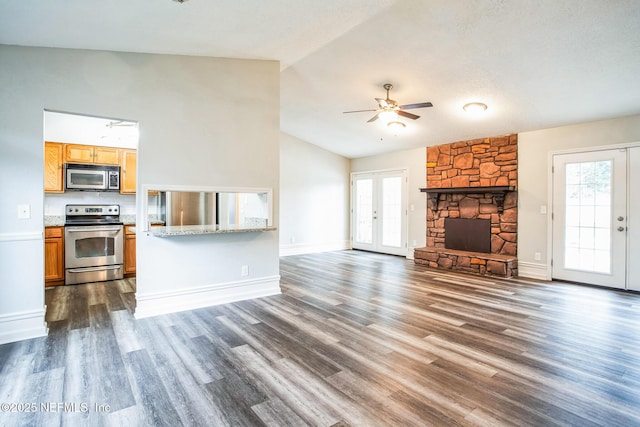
[390,107]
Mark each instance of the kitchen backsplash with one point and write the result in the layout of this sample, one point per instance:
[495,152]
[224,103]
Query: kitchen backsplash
[54,203]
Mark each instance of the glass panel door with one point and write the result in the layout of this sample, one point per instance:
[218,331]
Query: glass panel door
[379,213]
[363,213]
[589,218]
[392,211]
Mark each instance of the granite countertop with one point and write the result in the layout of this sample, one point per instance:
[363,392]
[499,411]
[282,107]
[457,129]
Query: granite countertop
[190,230]
[58,220]
[53,220]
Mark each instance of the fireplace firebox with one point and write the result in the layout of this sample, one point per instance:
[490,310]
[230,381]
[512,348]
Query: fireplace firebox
[473,235]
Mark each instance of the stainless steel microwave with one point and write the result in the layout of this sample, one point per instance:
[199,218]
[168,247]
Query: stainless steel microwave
[84,177]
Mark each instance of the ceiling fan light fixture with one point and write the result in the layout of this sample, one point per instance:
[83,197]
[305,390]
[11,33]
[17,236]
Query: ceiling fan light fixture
[475,107]
[388,116]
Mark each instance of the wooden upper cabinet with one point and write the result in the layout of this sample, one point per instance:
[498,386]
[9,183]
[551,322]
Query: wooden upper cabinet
[78,153]
[56,154]
[106,155]
[128,172]
[75,153]
[53,167]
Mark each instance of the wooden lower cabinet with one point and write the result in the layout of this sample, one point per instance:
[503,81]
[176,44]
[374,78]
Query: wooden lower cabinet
[53,256]
[129,251]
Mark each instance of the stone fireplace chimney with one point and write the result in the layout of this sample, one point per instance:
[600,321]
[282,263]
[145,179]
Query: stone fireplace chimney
[473,180]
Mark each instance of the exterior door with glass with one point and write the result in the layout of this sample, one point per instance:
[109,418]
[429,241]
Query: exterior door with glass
[590,217]
[378,212]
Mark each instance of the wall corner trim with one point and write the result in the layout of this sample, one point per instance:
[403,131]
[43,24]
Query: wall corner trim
[159,303]
[22,325]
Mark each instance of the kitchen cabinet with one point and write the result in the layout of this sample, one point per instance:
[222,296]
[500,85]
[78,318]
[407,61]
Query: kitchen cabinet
[53,256]
[129,251]
[75,153]
[53,167]
[128,172]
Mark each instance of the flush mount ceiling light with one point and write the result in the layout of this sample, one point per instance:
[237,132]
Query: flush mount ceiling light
[396,125]
[475,107]
[180,1]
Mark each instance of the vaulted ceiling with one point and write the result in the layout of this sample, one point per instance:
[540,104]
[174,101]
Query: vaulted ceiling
[535,64]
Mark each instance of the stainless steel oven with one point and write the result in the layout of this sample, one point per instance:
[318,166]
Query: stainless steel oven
[94,244]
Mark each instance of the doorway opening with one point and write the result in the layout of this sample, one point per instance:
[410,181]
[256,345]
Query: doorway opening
[77,148]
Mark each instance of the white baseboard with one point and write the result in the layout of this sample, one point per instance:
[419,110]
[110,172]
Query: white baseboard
[310,248]
[532,270]
[159,303]
[22,326]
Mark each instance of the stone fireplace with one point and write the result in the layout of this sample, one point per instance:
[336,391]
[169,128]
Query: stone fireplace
[472,207]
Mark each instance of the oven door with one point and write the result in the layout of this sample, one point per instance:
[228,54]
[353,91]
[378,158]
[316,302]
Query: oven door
[92,246]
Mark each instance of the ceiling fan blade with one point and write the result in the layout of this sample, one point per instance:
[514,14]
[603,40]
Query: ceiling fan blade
[357,111]
[407,115]
[418,105]
[373,119]
[382,103]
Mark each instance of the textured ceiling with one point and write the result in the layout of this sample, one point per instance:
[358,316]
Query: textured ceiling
[536,64]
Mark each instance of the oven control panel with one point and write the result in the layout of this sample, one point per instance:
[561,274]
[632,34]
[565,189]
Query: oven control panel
[100,210]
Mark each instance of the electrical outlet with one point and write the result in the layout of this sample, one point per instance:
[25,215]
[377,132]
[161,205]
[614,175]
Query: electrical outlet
[245,270]
[537,256]
[24,211]
[543,209]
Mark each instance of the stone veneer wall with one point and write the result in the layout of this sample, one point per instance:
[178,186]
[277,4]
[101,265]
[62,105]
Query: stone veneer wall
[485,162]
[476,163]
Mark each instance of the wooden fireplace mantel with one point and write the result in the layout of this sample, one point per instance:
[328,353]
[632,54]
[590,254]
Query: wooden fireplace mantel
[499,193]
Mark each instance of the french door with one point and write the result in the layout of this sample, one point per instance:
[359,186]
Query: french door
[595,203]
[379,212]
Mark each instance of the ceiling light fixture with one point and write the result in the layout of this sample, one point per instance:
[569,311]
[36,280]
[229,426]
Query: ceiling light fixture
[180,1]
[475,107]
[396,125]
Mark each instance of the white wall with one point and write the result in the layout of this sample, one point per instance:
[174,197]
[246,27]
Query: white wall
[533,179]
[414,161]
[314,198]
[202,121]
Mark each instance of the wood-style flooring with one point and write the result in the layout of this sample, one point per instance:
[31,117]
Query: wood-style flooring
[355,339]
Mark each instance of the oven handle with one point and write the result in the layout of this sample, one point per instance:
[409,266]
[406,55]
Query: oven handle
[85,229]
[83,270]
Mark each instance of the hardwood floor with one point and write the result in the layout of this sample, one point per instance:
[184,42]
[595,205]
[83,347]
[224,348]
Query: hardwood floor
[355,339]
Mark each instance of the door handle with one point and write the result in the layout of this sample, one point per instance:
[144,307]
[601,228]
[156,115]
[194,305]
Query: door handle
[620,218]
[620,228]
